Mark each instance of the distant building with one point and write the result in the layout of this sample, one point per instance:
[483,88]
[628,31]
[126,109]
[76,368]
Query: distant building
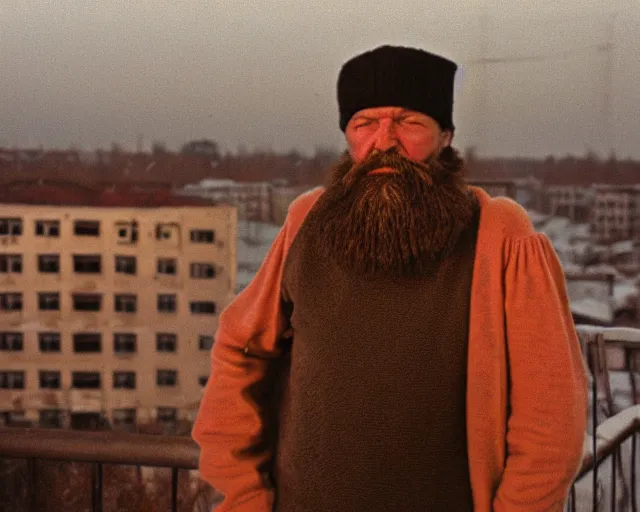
[108,303]
[616,213]
[253,199]
[571,201]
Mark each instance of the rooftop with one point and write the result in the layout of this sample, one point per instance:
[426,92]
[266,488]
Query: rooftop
[101,194]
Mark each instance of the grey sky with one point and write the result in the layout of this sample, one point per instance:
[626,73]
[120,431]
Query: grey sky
[262,73]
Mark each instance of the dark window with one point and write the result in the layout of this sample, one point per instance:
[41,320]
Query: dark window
[124,416]
[11,380]
[202,236]
[87,301]
[167,303]
[49,301]
[167,378]
[11,301]
[10,226]
[49,263]
[126,265]
[202,380]
[124,380]
[11,263]
[50,228]
[205,342]
[87,342]
[167,266]
[86,228]
[11,341]
[49,380]
[124,343]
[85,380]
[166,342]
[202,271]
[87,264]
[127,232]
[203,307]
[166,231]
[126,303]
[51,418]
[49,341]
[167,414]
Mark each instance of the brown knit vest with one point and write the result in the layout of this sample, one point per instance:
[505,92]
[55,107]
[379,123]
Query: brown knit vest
[373,412]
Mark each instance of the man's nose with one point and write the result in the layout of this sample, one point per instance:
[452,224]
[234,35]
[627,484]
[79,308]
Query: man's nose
[385,137]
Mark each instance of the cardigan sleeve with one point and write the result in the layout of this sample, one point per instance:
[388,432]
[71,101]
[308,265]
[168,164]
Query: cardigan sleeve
[547,381]
[229,425]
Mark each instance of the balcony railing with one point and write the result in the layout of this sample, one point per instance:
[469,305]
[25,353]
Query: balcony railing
[606,481]
[178,453]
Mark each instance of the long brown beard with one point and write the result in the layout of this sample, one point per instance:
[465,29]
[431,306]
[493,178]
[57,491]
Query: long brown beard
[392,224]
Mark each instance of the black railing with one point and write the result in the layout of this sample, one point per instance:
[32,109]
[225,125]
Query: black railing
[97,448]
[611,437]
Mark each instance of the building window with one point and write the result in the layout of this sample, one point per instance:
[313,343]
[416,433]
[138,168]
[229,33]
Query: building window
[124,416]
[202,380]
[127,232]
[166,231]
[124,380]
[167,378]
[11,226]
[49,380]
[49,301]
[11,263]
[11,341]
[124,343]
[126,303]
[205,342]
[167,414]
[49,263]
[86,228]
[87,301]
[85,380]
[126,265]
[202,236]
[49,228]
[49,341]
[51,418]
[10,302]
[167,303]
[87,264]
[202,307]
[87,342]
[11,380]
[167,266]
[202,271]
[166,342]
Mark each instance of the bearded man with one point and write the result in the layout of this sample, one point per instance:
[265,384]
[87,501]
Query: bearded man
[407,344]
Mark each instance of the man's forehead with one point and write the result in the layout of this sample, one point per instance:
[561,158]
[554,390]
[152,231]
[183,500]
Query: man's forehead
[386,111]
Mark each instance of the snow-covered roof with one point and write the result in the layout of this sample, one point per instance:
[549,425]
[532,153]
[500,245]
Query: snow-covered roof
[537,217]
[624,247]
[593,309]
[624,293]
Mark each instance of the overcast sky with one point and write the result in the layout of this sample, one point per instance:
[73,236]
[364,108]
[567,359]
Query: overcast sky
[262,73]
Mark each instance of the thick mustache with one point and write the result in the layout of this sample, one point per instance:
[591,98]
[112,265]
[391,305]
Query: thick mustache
[390,158]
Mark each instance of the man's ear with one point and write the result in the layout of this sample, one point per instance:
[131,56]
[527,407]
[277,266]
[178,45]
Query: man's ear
[445,139]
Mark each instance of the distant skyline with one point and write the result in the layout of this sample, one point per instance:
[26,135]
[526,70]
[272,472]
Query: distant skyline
[560,78]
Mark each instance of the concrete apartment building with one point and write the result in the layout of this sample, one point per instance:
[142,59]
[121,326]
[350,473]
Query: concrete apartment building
[571,201]
[616,213]
[109,303]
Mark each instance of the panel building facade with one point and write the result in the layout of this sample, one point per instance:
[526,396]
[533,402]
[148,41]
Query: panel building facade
[108,313]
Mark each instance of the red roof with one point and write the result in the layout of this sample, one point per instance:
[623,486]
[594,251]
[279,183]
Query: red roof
[61,193]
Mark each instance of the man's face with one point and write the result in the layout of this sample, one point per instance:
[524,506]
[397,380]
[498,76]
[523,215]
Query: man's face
[415,135]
